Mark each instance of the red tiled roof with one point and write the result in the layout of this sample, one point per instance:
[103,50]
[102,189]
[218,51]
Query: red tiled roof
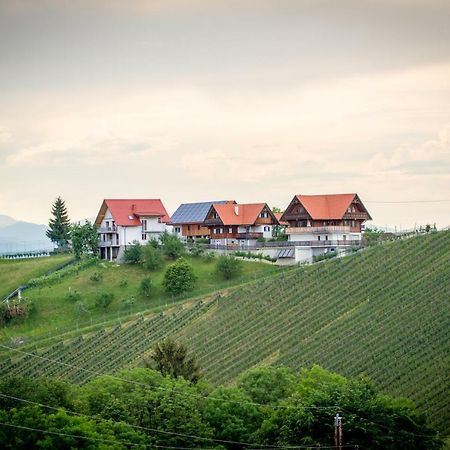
[247,213]
[281,222]
[328,206]
[126,212]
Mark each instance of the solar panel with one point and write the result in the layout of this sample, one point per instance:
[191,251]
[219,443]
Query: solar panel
[192,212]
[285,253]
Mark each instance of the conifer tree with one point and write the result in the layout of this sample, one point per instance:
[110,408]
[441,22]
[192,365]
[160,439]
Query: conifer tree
[59,225]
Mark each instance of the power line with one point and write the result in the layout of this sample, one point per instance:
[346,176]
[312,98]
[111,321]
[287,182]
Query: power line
[187,394]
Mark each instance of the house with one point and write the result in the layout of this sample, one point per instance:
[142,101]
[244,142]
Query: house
[188,220]
[123,221]
[240,225]
[320,224]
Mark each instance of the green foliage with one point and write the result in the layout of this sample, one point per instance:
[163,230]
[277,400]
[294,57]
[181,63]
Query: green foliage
[73,295]
[252,255]
[228,267]
[324,256]
[128,302]
[179,277]
[59,224]
[104,299]
[209,256]
[123,283]
[133,253]
[84,239]
[171,359]
[197,249]
[152,256]
[146,286]
[172,246]
[96,277]
[267,385]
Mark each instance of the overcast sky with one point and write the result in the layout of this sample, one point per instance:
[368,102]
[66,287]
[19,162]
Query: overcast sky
[248,100]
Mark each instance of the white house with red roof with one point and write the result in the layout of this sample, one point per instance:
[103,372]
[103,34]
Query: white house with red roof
[240,225]
[320,224]
[121,222]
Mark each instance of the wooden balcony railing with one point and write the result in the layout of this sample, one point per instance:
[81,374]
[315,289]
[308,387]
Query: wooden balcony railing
[327,229]
[249,235]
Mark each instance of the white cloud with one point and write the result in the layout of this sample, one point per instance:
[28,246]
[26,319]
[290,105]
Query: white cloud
[5,135]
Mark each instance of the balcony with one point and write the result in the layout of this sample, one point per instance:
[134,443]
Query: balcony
[111,243]
[243,236]
[107,229]
[328,229]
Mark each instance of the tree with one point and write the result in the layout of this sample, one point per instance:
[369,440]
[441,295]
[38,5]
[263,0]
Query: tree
[104,299]
[133,253]
[59,225]
[228,267]
[179,277]
[172,246]
[152,256]
[171,359]
[84,239]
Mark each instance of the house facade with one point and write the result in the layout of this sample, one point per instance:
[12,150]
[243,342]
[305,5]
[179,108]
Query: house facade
[320,224]
[240,225]
[188,220]
[122,221]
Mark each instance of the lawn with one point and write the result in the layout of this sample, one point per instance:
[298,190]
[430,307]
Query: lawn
[14,273]
[54,312]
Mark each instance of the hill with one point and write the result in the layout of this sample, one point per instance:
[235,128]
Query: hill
[382,312]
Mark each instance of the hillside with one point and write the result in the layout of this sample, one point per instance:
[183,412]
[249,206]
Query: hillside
[382,312]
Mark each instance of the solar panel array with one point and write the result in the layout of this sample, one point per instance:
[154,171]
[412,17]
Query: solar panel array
[192,212]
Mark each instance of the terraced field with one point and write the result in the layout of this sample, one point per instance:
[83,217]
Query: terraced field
[383,312]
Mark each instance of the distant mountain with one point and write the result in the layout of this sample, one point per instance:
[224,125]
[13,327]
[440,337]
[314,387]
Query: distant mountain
[22,236]
[5,221]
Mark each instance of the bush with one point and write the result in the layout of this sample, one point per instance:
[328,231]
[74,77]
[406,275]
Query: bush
[128,302]
[73,296]
[146,286]
[104,299]
[133,253]
[197,250]
[172,246]
[209,256]
[261,239]
[202,241]
[96,277]
[228,267]
[179,277]
[81,307]
[123,283]
[324,256]
[152,257]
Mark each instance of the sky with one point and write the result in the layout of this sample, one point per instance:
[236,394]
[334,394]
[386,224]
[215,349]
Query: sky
[252,100]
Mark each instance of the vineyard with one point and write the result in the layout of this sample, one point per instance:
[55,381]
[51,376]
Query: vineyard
[383,312]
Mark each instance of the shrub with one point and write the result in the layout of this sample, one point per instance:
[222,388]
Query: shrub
[146,286]
[73,296]
[179,277]
[261,239]
[81,307]
[202,241]
[128,302]
[104,299]
[96,277]
[209,256]
[152,257]
[324,256]
[197,250]
[123,283]
[228,267]
[172,246]
[133,253]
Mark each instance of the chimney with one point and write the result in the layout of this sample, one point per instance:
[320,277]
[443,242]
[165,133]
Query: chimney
[236,209]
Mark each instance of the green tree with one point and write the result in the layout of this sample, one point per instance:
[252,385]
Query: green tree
[146,286]
[172,246]
[59,224]
[179,277]
[228,267]
[84,239]
[133,253]
[152,257]
[104,299]
[172,359]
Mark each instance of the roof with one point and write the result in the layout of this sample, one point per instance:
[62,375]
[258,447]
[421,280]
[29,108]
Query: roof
[126,212]
[281,222]
[327,206]
[247,213]
[189,213]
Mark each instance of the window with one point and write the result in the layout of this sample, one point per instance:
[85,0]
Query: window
[266,228]
[159,219]
[198,227]
[144,225]
[144,237]
[318,238]
[326,238]
[230,230]
[264,215]
[107,224]
[189,228]
[177,229]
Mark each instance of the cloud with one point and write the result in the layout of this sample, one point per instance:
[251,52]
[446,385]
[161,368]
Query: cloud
[5,135]
[432,157]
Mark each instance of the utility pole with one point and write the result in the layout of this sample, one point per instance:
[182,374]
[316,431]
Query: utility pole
[338,432]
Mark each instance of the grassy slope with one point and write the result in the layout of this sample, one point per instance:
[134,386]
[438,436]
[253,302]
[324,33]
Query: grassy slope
[14,273]
[383,312]
[54,312]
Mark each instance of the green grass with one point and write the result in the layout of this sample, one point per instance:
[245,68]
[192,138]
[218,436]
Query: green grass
[54,313]
[14,273]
